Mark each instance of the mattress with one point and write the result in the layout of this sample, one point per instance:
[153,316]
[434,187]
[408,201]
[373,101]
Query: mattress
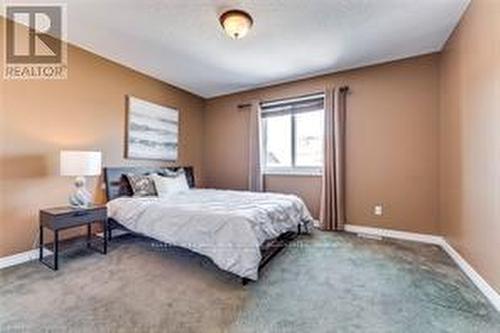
[226,226]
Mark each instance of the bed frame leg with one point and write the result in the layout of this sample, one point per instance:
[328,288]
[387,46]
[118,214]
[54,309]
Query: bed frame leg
[110,231]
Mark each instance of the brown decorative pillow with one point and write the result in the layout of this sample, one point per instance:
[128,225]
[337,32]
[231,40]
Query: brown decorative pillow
[142,185]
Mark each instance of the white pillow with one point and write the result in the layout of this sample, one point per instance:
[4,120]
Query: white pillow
[167,186]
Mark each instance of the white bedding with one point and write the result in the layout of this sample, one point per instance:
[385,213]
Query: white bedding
[226,226]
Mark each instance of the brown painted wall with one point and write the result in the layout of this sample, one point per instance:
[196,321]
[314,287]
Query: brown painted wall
[307,187]
[86,111]
[392,143]
[395,135]
[470,139]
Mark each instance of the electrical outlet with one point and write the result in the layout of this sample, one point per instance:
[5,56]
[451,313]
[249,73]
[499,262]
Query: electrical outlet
[378,210]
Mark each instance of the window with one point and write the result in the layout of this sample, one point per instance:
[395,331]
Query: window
[293,135]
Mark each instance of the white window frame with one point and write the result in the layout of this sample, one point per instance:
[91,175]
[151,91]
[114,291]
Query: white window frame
[293,170]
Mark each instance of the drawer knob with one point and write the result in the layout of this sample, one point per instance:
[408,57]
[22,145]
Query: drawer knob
[80,213]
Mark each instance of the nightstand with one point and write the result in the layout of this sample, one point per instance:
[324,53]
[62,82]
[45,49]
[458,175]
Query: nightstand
[61,218]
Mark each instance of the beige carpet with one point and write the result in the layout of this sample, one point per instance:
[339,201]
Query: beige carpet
[323,283]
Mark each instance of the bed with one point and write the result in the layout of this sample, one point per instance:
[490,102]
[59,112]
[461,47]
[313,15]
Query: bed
[239,231]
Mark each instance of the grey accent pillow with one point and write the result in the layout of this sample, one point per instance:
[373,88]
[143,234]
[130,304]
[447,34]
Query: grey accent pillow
[171,173]
[142,185]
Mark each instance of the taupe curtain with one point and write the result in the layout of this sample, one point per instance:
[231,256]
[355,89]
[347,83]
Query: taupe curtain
[255,176]
[332,214]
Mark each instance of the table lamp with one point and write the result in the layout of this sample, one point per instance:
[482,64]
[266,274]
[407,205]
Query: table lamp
[80,164]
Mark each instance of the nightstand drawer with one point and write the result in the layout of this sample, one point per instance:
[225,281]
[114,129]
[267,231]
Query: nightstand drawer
[72,218]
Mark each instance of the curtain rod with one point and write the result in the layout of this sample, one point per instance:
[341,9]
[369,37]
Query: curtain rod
[247,105]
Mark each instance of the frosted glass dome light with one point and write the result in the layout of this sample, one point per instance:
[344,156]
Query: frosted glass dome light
[236,23]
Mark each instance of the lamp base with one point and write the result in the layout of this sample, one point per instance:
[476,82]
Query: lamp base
[80,198]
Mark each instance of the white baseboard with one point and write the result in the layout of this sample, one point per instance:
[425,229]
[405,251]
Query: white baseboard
[422,238]
[29,255]
[474,276]
[22,257]
[488,291]
[116,233]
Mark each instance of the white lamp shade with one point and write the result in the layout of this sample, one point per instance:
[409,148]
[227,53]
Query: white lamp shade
[80,163]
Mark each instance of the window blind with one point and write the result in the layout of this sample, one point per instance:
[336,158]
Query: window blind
[293,106]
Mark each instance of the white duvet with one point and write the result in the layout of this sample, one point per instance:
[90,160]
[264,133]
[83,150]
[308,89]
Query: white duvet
[226,226]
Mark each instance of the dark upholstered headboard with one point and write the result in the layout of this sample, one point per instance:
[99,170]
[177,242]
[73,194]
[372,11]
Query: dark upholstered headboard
[117,184]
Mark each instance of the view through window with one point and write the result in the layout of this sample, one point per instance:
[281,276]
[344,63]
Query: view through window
[293,135]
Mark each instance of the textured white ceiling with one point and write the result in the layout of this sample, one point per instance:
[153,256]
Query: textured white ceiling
[181,41]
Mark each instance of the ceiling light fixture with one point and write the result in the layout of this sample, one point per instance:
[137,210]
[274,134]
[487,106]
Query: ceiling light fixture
[236,23]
